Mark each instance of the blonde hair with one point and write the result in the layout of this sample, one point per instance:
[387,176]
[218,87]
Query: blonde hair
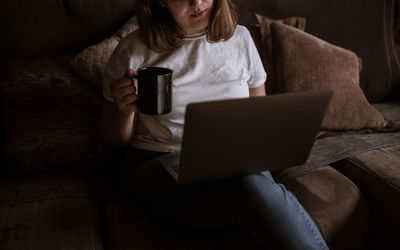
[160,32]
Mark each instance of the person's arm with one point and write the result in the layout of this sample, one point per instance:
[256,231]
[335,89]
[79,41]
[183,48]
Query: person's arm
[258,91]
[118,118]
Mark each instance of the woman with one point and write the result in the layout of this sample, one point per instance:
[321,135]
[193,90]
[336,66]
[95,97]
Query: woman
[212,58]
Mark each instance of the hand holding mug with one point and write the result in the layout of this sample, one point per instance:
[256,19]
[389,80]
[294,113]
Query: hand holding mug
[153,95]
[123,91]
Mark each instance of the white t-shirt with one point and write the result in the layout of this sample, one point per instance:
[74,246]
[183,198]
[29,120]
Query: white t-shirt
[202,71]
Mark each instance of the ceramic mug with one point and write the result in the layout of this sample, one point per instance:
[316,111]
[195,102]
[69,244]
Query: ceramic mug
[154,90]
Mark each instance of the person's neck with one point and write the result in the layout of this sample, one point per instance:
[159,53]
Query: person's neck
[195,32]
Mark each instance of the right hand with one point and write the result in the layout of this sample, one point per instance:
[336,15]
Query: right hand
[123,91]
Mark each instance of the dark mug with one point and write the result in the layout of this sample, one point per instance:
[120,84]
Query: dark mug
[154,90]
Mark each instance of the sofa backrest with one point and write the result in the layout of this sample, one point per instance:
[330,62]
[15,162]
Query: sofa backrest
[48,27]
[366,27]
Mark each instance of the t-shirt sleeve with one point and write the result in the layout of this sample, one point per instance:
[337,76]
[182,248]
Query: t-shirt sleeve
[258,76]
[115,69]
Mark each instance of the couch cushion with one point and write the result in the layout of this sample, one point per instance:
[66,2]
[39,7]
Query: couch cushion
[365,27]
[335,204]
[70,223]
[91,62]
[50,116]
[266,50]
[377,174]
[47,27]
[83,184]
[128,229]
[304,62]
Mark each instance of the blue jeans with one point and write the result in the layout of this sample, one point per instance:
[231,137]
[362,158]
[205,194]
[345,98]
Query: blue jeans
[267,214]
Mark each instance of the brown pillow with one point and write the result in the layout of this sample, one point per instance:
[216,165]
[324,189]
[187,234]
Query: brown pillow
[266,44]
[304,62]
[50,116]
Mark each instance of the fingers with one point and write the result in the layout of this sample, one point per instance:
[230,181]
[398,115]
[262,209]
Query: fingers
[123,91]
[129,73]
[127,103]
[125,100]
[118,91]
[125,80]
[122,82]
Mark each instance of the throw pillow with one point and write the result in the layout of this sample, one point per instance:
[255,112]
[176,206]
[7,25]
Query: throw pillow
[91,62]
[304,62]
[50,115]
[264,24]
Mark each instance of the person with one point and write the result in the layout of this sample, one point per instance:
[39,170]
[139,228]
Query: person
[212,57]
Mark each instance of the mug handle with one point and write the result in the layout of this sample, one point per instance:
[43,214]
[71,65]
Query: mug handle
[134,79]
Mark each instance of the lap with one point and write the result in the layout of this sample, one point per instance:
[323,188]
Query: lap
[207,204]
[261,208]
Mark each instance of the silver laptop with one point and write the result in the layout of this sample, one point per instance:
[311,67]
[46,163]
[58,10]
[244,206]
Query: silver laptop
[226,138]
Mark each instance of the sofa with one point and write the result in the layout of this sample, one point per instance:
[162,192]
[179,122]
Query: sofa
[57,190]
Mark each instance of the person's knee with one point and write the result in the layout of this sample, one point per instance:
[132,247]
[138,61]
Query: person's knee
[260,183]
[260,194]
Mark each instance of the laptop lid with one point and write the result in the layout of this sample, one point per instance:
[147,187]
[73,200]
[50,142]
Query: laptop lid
[231,137]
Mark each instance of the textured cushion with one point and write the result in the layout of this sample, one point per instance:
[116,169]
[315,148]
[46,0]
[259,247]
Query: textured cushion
[87,184]
[264,24]
[69,223]
[377,174]
[305,62]
[91,62]
[364,26]
[48,27]
[335,204]
[50,116]
[128,229]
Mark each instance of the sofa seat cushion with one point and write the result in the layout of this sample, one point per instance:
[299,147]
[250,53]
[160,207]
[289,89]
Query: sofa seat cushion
[377,174]
[127,229]
[335,204]
[332,200]
[69,223]
[383,163]
[77,184]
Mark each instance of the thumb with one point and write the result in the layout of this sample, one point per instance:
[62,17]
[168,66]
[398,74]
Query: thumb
[129,73]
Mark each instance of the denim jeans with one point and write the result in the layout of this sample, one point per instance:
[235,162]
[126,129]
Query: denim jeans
[265,211]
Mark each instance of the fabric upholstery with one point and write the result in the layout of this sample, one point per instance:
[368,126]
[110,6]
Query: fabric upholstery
[377,174]
[48,27]
[129,229]
[304,62]
[50,116]
[365,27]
[83,184]
[91,62]
[266,45]
[70,223]
[383,162]
[332,201]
